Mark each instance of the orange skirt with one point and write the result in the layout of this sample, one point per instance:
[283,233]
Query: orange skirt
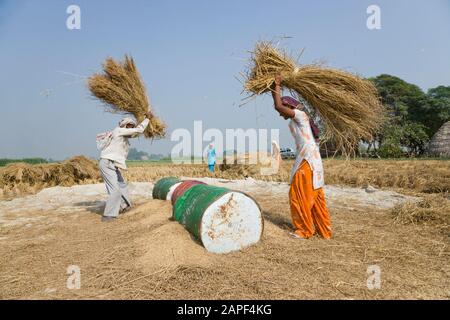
[308,207]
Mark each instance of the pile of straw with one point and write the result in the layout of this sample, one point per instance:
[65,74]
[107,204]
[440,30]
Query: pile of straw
[431,209]
[73,171]
[121,89]
[349,107]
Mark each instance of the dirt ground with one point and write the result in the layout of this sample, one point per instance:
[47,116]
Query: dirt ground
[146,255]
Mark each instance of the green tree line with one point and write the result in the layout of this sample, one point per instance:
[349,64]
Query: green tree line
[413,117]
[4,162]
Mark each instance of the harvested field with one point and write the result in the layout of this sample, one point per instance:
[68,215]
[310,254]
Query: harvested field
[427,176]
[423,176]
[146,255]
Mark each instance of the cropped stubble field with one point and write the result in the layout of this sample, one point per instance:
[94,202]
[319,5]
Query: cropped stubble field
[409,175]
[146,255]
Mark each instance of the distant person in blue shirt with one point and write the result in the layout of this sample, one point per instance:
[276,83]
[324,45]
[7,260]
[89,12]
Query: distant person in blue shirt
[211,158]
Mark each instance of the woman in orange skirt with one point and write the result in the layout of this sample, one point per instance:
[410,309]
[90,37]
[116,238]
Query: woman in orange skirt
[306,196]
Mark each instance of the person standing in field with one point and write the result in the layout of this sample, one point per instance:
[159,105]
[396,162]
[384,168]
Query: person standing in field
[306,196]
[211,158]
[112,160]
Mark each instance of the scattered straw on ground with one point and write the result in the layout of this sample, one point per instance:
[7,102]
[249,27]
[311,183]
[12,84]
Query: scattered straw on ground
[431,210]
[145,255]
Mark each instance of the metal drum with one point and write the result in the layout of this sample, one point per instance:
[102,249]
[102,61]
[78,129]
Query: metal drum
[222,219]
[181,188]
[162,187]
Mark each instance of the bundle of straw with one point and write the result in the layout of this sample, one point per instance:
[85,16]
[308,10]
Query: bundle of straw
[122,90]
[348,106]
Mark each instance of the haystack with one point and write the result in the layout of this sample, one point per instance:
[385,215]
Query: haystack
[440,143]
[73,171]
[349,107]
[121,89]
[78,170]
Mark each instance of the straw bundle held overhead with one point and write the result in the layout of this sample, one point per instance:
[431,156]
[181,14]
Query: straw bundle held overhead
[122,90]
[348,105]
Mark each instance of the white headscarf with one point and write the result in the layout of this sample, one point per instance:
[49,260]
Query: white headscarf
[126,121]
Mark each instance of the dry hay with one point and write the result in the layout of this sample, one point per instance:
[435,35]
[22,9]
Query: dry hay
[431,210]
[415,175]
[144,255]
[244,165]
[78,169]
[411,176]
[122,261]
[121,88]
[18,178]
[348,106]
[239,171]
[152,172]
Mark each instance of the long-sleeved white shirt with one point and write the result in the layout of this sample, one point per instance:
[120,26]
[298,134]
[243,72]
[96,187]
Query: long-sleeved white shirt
[118,148]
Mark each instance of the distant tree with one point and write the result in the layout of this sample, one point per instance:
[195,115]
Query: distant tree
[409,124]
[135,155]
[4,162]
[438,109]
[156,156]
[401,99]
[414,138]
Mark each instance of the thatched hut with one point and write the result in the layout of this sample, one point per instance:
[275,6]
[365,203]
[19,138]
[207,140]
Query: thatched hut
[440,143]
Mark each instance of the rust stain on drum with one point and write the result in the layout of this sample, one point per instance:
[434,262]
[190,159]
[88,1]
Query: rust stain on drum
[225,208]
[211,234]
[223,213]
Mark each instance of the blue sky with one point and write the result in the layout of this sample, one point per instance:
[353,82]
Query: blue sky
[189,54]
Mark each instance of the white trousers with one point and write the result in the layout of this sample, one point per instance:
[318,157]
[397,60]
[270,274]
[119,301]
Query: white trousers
[117,189]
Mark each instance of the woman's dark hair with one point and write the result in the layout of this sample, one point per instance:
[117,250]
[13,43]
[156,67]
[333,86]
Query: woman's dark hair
[315,130]
[289,101]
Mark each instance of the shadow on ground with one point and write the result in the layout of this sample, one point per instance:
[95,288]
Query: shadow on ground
[96,207]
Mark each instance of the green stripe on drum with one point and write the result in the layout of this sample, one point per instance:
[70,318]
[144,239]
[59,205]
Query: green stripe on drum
[222,219]
[163,186]
[189,208]
[182,188]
